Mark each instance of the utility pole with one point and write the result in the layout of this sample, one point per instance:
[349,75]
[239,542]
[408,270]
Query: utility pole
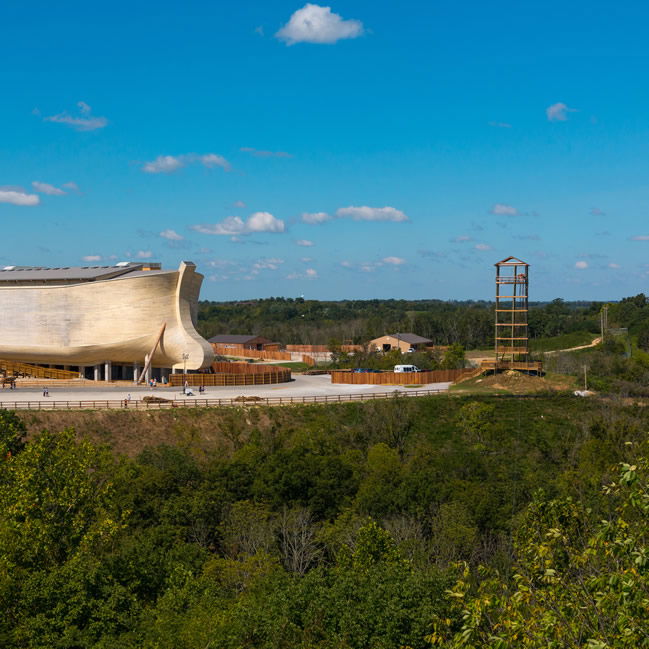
[603,321]
[585,377]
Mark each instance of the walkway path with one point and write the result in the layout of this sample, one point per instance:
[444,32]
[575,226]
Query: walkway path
[595,342]
[303,388]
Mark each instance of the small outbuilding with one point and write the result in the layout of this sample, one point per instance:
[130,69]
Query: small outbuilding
[403,341]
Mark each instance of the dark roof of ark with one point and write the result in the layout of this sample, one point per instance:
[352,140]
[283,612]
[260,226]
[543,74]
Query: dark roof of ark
[10,274]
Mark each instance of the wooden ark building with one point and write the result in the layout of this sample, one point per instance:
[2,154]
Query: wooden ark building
[104,322]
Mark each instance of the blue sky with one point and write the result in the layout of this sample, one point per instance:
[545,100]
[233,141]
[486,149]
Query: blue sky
[351,150]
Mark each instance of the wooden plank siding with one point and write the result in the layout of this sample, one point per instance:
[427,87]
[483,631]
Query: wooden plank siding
[400,378]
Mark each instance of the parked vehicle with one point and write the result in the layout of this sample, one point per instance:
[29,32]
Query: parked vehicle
[406,368]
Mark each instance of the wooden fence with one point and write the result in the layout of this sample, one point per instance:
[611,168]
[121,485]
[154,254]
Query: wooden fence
[224,350]
[234,374]
[196,402]
[307,349]
[399,378]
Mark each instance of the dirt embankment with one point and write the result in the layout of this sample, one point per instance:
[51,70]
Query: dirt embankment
[516,383]
[128,432]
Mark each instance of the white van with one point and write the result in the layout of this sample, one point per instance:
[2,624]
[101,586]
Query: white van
[406,368]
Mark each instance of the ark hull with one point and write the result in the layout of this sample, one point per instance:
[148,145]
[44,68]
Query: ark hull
[116,320]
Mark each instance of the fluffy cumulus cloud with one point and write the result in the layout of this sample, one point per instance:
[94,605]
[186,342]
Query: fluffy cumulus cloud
[357,213]
[17,196]
[83,121]
[234,225]
[166,164]
[558,112]
[581,265]
[91,258]
[262,153]
[502,209]
[614,266]
[171,235]
[316,24]
[640,237]
[144,254]
[305,243]
[483,246]
[44,188]
[316,217]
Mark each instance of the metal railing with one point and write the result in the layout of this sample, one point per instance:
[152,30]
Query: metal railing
[197,402]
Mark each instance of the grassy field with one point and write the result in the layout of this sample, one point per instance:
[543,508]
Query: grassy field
[565,341]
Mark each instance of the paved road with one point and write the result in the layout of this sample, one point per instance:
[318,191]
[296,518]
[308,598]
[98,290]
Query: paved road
[302,386]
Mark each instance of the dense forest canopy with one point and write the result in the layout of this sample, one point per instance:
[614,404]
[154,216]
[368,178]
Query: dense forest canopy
[299,321]
[331,527]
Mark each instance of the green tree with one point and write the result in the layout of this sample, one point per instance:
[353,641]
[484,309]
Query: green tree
[579,582]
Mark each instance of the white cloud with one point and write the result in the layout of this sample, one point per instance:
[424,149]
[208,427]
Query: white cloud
[596,211]
[171,235]
[502,209]
[44,188]
[614,266]
[85,122]
[581,265]
[239,204]
[365,213]
[316,24]
[91,258]
[371,266]
[18,197]
[267,264]
[483,246]
[558,112]
[316,217]
[211,160]
[462,238]
[71,186]
[309,273]
[261,153]
[144,254]
[165,164]
[305,243]
[264,222]
[640,237]
[306,260]
[235,225]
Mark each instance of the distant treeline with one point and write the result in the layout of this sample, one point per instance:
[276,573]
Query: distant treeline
[299,321]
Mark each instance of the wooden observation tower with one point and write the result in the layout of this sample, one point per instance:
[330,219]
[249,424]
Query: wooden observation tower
[511,326]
